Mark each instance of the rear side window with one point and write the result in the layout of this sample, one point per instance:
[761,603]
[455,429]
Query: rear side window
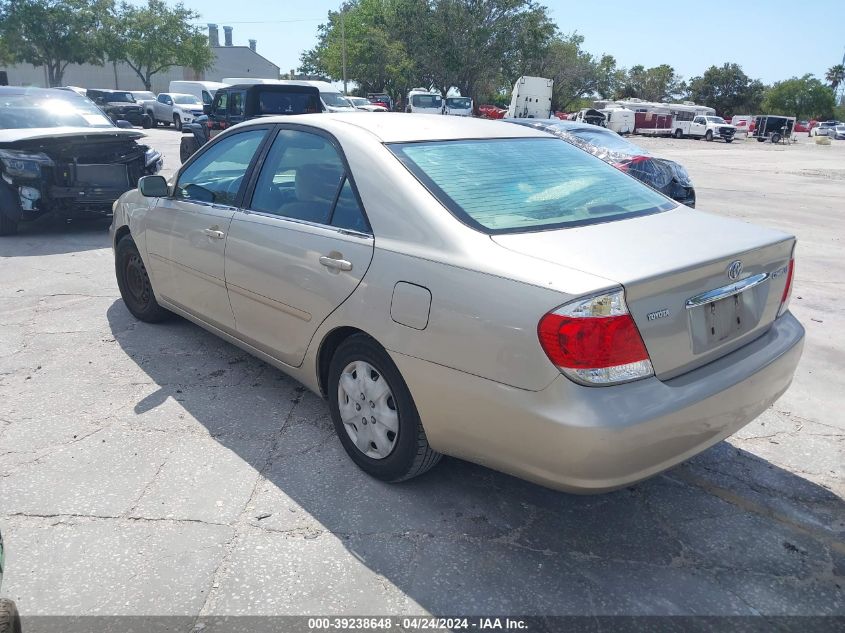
[528,184]
[236,104]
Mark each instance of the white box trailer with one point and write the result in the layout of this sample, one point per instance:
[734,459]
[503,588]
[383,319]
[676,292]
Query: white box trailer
[620,120]
[531,98]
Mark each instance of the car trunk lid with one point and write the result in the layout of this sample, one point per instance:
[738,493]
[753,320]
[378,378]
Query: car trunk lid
[674,267]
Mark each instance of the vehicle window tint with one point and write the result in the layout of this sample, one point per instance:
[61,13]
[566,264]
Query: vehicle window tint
[509,185]
[236,103]
[206,97]
[347,212]
[217,174]
[220,102]
[300,177]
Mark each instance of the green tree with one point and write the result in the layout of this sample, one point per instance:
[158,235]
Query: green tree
[800,97]
[155,37]
[835,76]
[53,33]
[728,90]
[574,71]
[659,83]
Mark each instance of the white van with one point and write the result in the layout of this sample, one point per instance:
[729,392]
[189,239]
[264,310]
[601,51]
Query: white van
[424,101]
[531,98]
[202,90]
[458,106]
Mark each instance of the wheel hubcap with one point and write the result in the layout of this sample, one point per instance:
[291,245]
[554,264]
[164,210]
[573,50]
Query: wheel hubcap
[368,409]
[137,281]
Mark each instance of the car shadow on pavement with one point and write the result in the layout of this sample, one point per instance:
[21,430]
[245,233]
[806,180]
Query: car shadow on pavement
[726,533]
[49,235]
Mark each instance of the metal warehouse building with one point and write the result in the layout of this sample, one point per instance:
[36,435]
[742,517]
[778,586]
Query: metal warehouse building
[230,61]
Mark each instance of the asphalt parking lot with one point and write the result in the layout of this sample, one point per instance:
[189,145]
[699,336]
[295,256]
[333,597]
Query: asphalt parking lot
[155,469]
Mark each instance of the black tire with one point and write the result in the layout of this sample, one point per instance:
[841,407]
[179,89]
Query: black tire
[187,147]
[146,122]
[761,139]
[134,283]
[8,226]
[679,133]
[708,135]
[10,620]
[775,138]
[729,140]
[165,123]
[177,122]
[411,454]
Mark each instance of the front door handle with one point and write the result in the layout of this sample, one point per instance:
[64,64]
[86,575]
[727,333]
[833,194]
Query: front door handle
[336,264]
[214,233]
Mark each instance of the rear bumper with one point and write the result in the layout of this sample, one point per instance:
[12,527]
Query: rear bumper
[594,439]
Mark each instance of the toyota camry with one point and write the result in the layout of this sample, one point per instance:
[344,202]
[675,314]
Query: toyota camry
[462,287]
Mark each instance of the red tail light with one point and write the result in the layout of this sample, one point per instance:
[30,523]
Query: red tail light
[595,341]
[625,165]
[787,289]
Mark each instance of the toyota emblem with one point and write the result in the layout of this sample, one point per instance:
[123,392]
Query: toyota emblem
[735,270]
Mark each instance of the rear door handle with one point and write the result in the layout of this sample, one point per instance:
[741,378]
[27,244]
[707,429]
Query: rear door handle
[336,264]
[214,233]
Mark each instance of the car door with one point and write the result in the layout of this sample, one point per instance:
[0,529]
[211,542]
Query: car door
[698,126]
[186,232]
[300,246]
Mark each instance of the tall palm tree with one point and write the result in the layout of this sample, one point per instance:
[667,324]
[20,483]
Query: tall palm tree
[835,76]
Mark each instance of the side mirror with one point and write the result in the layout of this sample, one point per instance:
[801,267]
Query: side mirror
[153,187]
[122,123]
[206,108]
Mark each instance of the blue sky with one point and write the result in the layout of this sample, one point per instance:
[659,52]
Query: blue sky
[808,39]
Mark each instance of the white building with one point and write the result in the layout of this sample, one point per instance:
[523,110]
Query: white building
[230,61]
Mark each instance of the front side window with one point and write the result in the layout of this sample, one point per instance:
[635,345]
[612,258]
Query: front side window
[206,97]
[217,174]
[304,178]
[163,98]
[526,184]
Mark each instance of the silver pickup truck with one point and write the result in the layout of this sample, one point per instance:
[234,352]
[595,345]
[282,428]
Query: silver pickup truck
[176,108]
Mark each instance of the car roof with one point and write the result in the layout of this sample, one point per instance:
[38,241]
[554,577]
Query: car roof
[400,127]
[568,126]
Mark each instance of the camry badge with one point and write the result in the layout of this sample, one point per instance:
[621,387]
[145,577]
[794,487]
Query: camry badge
[735,269]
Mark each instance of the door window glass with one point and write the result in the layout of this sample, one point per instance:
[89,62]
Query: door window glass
[347,212]
[220,102]
[217,174]
[236,104]
[300,177]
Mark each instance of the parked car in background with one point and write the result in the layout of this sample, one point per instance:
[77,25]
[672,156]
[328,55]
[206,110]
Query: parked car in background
[202,90]
[802,126]
[838,132]
[118,105]
[488,111]
[235,104]
[381,98]
[667,176]
[60,154]
[10,621]
[823,128]
[178,109]
[76,89]
[365,104]
[710,127]
[458,106]
[531,308]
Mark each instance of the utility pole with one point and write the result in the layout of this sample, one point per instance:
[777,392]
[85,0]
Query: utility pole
[343,42]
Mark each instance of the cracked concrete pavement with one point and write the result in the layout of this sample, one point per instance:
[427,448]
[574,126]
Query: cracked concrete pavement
[155,469]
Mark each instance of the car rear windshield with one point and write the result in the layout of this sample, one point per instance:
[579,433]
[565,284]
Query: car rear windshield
[526,184]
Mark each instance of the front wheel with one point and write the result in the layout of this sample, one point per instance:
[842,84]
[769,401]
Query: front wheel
[374,414]
[187,147]
[134,283]
[8,226]
[10,621]
[708,136]
[177,122]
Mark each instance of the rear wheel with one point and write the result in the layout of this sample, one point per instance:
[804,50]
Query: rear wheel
[678,133]
[146,122]
[729,140]
[374,414]
[708,135]
[134,283]
[187,147]
[775,138]
[10,621]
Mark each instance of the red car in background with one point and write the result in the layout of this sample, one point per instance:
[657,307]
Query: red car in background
[492,112]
